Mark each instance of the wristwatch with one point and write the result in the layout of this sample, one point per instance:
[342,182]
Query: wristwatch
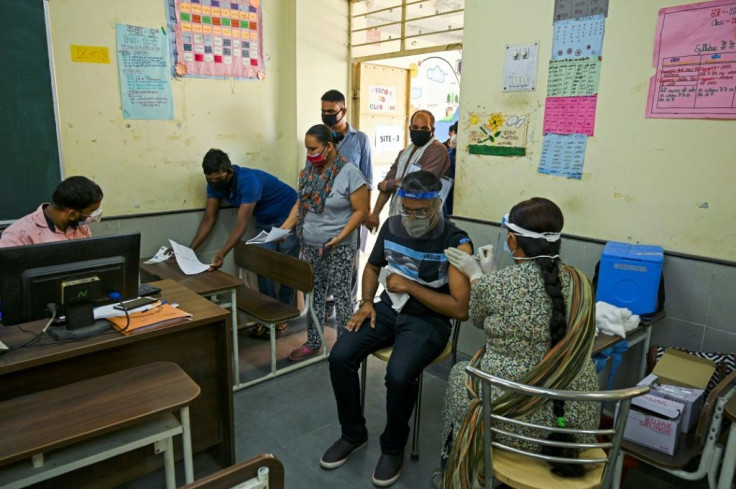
[363,301]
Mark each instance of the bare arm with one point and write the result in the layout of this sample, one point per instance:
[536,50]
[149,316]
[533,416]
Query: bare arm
[368,291]
[359,203]
[208,222]
[245,211]
[290,221]
[455,304]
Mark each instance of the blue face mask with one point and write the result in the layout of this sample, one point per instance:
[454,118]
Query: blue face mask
[506,248]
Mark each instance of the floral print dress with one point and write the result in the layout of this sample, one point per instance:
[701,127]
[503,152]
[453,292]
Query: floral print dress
[513,308]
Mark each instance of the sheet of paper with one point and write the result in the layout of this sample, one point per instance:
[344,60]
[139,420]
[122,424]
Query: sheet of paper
[162,254]
[274,234]
[573,77]
[563,155]
[694,56]
[572,9]
[520,67]
[187,260]
[570,115]
[109,311]
[145,77]
[578,38]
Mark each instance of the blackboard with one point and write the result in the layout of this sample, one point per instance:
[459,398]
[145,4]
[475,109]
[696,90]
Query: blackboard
[29,165]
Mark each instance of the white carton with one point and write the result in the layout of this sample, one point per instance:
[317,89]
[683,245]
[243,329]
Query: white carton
[654,422]
[691,398]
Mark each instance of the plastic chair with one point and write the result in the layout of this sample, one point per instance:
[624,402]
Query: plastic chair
[384,355]
[286,270]
[521,468]
[701,442]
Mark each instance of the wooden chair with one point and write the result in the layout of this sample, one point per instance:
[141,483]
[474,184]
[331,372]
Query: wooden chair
[270,478]
[529,469]
[286,270]
[384,355]
[702,442]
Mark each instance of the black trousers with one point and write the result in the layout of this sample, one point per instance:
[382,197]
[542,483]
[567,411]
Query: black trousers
[417,341]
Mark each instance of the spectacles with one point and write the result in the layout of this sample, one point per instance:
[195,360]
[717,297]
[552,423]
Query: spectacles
[418,213]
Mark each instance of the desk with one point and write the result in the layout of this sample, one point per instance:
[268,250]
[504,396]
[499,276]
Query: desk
[729,455]
[641,333]
[201,347]
[205,283]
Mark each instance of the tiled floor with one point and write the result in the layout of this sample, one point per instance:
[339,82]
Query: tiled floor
[294,417]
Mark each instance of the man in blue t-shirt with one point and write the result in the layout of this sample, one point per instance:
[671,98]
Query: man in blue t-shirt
[256,194]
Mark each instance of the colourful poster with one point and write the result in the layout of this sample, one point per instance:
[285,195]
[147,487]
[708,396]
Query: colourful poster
[563,155]
[498,134]
[695,61]
[216,39]
[578,38]
[145,79]
[381,99]
[572,9]
[570,115]
[573,77]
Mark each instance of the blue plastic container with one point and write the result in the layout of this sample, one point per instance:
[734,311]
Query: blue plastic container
[629,276]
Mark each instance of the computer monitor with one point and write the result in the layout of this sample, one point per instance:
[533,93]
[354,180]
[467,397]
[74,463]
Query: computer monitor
[74,275]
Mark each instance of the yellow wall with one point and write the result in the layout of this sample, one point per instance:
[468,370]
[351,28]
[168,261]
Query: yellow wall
[148,166]
[644,179]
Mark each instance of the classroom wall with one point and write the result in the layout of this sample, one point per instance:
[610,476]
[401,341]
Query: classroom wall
[654,181]
[155,166]
[149,166]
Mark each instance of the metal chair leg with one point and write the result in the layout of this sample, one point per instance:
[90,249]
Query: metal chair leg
[417,420]
[363,376]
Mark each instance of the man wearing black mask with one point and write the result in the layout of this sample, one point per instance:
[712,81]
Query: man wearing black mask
[425,152]
[256,194]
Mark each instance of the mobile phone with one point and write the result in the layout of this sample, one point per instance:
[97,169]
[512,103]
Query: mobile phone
[133,303]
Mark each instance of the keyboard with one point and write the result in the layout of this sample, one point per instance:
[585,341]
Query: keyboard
[146,289]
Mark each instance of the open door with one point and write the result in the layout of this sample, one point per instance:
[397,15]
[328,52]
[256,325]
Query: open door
[381,110]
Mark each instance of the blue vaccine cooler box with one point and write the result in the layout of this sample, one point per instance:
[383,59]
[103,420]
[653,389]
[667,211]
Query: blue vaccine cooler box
[629,276]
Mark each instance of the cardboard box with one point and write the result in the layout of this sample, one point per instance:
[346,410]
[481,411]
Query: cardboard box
[681,377]
[654,422]
[629,276]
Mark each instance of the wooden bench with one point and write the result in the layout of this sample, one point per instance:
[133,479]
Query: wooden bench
[286,270]
[241,472]
[79,424]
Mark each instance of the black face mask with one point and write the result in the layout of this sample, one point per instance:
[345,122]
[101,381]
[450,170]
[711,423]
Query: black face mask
[223,185]
[418,137]
[331,120]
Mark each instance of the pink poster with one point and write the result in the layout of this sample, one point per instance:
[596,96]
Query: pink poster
[570,115]
[695,61]
[216,39]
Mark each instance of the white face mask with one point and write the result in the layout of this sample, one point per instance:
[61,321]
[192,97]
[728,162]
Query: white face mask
[94,217]
[453,139]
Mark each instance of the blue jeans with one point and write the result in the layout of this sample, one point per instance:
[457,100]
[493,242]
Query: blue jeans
[288,247]
[417,340]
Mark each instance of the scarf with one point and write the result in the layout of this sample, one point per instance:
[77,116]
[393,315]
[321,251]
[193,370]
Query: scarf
[315,188]
[559,367]
[406,160]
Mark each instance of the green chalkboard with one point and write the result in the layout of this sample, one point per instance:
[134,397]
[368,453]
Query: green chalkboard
[29,161]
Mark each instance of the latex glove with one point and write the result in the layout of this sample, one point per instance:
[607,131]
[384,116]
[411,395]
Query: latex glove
[464,262]
[485,257]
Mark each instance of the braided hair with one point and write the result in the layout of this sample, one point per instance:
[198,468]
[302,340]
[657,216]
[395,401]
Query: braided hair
[542,215]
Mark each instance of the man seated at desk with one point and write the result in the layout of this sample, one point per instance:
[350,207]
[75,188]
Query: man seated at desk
[75,204]
[256,194]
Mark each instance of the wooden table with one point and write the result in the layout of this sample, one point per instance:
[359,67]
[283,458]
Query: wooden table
[641,333]
[725,480]
[201,347]
[207,284]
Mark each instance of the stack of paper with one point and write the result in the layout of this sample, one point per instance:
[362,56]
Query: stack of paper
[157,316]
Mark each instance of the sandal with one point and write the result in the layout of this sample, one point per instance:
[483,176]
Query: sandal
[260,332]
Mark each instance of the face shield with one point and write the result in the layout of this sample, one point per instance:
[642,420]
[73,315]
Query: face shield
[423,222]
[500,259]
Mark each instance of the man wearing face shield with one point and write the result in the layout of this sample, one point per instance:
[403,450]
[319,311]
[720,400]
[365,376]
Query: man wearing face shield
[75,204]
[425,152]
[423,292]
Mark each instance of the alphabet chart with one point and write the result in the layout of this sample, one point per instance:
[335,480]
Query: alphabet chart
[216,39]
